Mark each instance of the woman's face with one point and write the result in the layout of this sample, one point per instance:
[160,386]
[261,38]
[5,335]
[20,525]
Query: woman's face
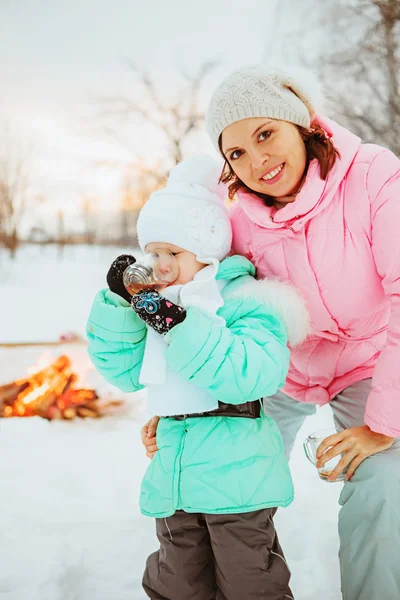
[269,156]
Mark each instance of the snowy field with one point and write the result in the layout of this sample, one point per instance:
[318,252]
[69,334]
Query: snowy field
[70,528]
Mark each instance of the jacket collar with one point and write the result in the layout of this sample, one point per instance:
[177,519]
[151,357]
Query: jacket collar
[235,266]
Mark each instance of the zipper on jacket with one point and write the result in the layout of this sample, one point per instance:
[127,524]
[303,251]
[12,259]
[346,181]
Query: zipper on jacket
[178,483]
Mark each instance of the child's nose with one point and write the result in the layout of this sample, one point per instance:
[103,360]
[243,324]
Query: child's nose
[164,269]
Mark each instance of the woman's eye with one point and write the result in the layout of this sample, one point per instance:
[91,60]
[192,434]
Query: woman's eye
[236,154]
[264,135]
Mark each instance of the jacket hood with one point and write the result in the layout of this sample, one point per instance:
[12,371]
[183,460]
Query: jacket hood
[315,194]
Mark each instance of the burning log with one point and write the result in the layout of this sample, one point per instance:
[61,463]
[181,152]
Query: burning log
[50,393]
[9,392]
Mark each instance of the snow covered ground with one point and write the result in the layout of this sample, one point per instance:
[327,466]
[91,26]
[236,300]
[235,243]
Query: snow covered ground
[70,528]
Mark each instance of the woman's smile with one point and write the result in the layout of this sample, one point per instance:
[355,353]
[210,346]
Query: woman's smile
[274,174]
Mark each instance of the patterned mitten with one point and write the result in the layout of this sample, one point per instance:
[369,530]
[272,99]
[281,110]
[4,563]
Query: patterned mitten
[115,273]
[158,312]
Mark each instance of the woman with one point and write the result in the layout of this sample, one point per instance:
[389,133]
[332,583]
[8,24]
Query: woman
[321,210]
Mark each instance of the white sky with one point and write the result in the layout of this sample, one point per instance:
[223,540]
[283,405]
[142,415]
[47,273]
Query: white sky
[56,57]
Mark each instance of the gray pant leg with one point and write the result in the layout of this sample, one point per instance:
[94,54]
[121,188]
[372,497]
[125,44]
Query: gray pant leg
[289,415]
[249,562]
[369,520]
[183,567]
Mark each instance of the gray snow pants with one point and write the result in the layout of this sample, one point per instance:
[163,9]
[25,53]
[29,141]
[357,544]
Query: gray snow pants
[369,520]
[217,557]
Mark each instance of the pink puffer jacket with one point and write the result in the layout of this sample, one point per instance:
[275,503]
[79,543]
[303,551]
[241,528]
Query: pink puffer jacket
[339,243]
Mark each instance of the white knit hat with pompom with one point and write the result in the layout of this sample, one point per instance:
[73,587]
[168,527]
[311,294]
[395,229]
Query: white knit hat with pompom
[189,212]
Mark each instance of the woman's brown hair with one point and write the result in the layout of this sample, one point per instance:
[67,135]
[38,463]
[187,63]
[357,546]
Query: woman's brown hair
[318,146]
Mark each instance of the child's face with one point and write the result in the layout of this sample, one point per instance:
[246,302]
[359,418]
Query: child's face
[173,265]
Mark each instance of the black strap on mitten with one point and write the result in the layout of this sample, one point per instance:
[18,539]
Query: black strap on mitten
[115,274]
[158,312]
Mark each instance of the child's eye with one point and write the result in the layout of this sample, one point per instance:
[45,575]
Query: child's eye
[174,253]
[264,135]
[236,154]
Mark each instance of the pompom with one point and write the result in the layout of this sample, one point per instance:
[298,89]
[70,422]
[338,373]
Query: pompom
[202,170]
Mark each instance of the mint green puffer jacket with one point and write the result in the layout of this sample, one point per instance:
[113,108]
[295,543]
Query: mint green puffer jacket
[211,464]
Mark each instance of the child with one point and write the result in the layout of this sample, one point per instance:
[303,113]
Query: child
[215,344]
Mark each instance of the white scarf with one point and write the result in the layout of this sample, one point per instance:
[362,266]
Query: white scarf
[168,393]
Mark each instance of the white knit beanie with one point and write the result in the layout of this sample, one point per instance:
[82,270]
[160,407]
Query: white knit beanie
[189,212]
[257,91]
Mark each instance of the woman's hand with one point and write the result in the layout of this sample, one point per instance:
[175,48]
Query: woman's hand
[356,444]
[148,434]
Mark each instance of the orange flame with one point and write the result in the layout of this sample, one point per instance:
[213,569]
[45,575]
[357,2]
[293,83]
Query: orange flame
[50,393]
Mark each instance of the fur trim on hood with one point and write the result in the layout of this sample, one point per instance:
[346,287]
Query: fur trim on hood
[284,299]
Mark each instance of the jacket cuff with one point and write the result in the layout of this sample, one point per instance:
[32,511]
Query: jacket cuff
[112,319]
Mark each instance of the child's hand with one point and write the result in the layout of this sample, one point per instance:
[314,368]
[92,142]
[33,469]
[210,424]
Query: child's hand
[158,312]
[148,434]
[115,274]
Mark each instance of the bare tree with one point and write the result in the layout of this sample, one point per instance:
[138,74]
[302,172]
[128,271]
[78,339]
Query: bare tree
[360,66]
[137,185]
[176,119]
[15,180]
[127,210]
[89,218]
[61,237]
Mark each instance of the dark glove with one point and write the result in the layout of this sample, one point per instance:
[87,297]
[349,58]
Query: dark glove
[115,273]
[158,312]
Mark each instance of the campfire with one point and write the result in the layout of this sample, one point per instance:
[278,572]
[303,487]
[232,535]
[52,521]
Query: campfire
[52,393]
